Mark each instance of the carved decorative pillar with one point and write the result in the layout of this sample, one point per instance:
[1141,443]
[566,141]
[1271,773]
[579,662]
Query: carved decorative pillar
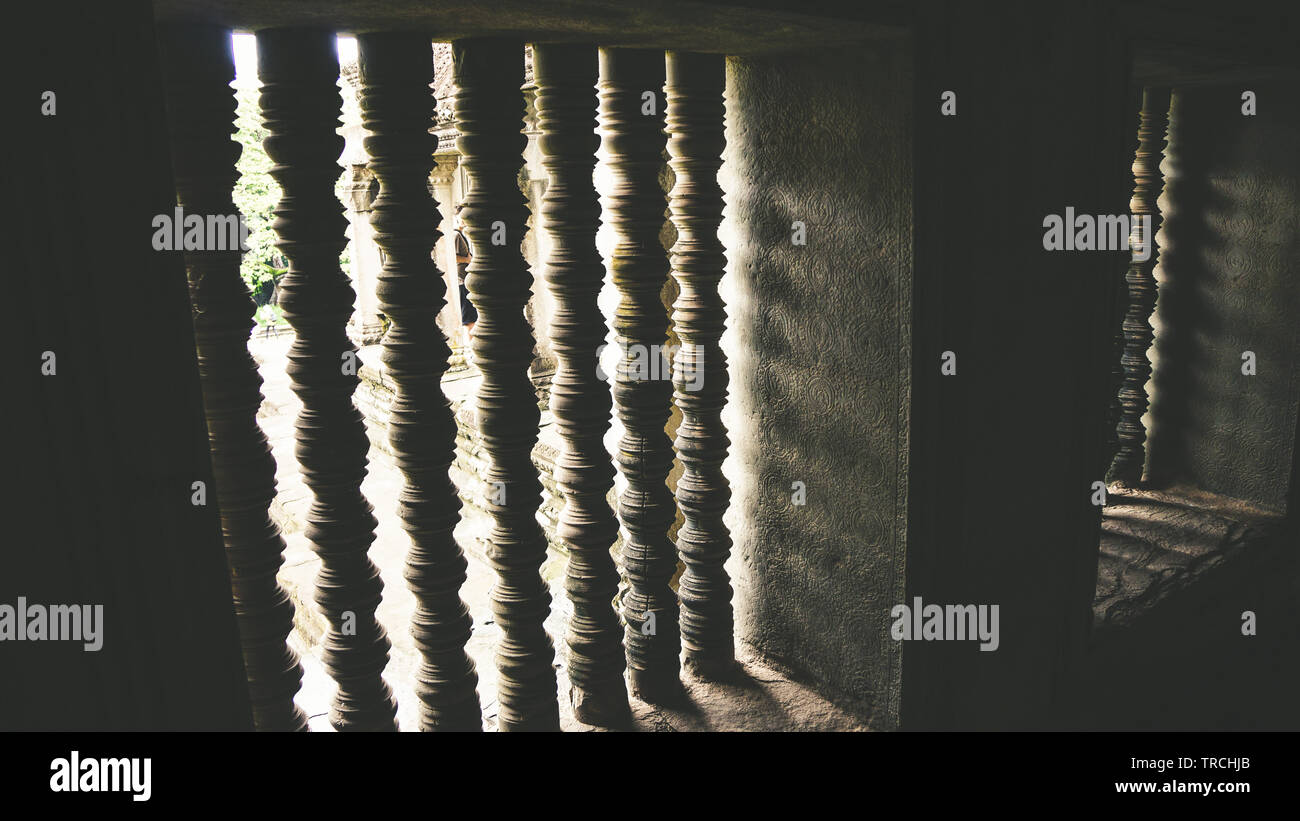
[397,108]
[631,82]
[1138,334]
[695,144]
[443,178]
[198,67]
[489,111]
[365,327]
[1115,410]
[533,182]
[301,106]
[580,400]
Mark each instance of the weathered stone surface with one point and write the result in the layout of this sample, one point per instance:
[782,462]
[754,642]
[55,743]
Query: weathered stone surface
[1155,544]
[397,109]
[199,68]
[759,698]
[695,126]
[1228,245]
[580,401]
[301,105]
[633,142]
[819,346]
[488,74]
[756,698]
[689,25]
[1129,433]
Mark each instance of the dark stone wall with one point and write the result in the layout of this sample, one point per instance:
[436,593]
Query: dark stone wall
[820,361]
[924,235]
[966,489]
[1229,281]
[101,455]
[1003,454]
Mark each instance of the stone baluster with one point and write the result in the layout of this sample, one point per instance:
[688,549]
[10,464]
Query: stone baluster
[580,401]
[489,113]
[632,128]
[365,327]
[695,144]
[397,109]
[301,107]
[1138,334]
[198,66]
[443,179]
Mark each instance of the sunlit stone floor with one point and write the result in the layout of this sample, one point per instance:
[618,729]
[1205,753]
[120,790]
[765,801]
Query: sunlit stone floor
[760,698]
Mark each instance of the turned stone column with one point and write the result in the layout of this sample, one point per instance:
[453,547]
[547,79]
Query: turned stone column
[397,106]
[365,327]
[631,82]
[489,111]
[580,401]
[1138,333]
[533,182]
[198,67]
[695,144]
[301,107]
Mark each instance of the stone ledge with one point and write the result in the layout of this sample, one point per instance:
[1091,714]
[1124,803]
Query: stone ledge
[1156,544]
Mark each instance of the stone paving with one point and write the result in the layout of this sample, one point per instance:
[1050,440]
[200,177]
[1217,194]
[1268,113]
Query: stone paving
[762,699]
[1156,543]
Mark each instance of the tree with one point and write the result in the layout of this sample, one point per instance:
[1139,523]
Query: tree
[256,193]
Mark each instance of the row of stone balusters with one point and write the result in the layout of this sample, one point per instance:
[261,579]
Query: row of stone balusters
[301,107]
[1132,364]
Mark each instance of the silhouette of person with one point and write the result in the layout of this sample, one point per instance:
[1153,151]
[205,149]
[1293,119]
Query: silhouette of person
[464,253]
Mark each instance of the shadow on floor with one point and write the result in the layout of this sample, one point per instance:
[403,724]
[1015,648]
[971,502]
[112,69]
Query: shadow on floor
[1173,655]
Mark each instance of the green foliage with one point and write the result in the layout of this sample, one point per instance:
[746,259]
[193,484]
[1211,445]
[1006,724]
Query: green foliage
[270,315]
[256,193]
